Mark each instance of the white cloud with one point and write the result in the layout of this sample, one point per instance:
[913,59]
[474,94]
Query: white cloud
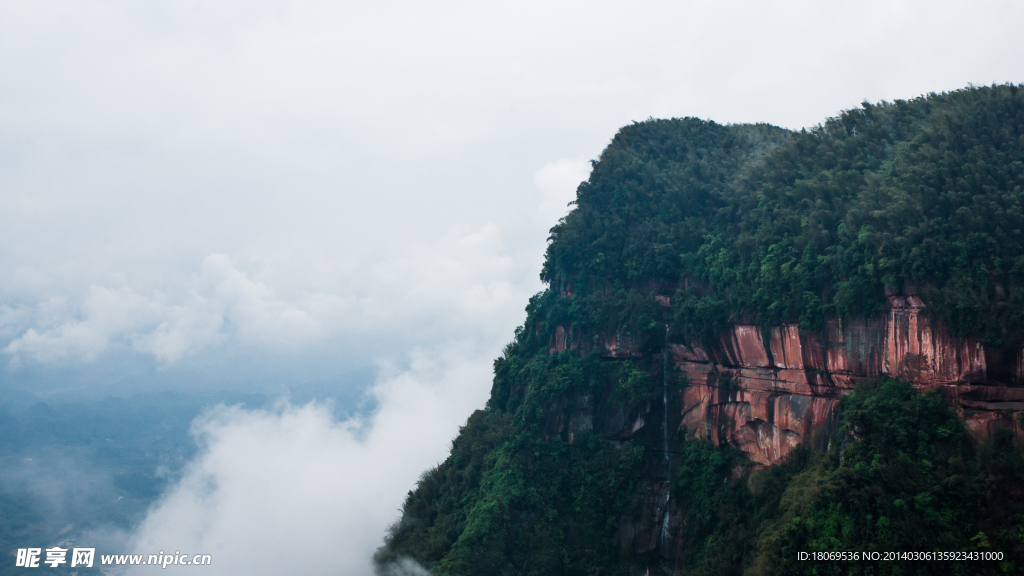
[275,173]
[558,182]
[105,313]
[435,292]
[257,312]
[183,330]
[290,491]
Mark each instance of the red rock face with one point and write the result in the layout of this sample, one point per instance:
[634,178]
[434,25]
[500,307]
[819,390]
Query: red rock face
[767,391]
[786,349]
[926,355]
[620,346]
[560,340]
[1018,373]
[765,413]
[743,346]
[766,405]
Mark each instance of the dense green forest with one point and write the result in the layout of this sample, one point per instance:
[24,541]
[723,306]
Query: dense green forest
[760,225]
[925,192]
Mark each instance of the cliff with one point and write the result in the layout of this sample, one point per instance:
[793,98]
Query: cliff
[755,342]
[767,391]
[782,392]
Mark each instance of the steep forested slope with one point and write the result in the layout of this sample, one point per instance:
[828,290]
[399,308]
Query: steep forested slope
[580,465]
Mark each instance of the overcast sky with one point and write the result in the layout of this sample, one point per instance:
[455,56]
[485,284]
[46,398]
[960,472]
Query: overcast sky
[243,193]
[181,177]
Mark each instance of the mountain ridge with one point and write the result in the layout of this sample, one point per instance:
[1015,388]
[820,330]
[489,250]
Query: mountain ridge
[773,293]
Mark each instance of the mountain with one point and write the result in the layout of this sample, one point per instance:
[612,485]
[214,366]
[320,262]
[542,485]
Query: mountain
[757,343]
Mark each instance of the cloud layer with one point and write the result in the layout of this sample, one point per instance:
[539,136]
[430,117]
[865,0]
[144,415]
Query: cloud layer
[291,491]
[178,176]
[430,292]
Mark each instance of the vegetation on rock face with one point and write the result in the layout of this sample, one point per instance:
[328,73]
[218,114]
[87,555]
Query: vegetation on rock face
[901,475]
[509,500]
[750,224]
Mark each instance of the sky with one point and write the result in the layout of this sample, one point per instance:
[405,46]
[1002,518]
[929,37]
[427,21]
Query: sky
[252,195]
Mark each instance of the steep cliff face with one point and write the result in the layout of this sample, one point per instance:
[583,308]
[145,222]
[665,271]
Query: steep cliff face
[767,391]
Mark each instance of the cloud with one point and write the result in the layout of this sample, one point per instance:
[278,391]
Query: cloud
[435,292]
[558,182]
[258,313]
[180,176]
[404,567]
[291,491]
[105,313]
